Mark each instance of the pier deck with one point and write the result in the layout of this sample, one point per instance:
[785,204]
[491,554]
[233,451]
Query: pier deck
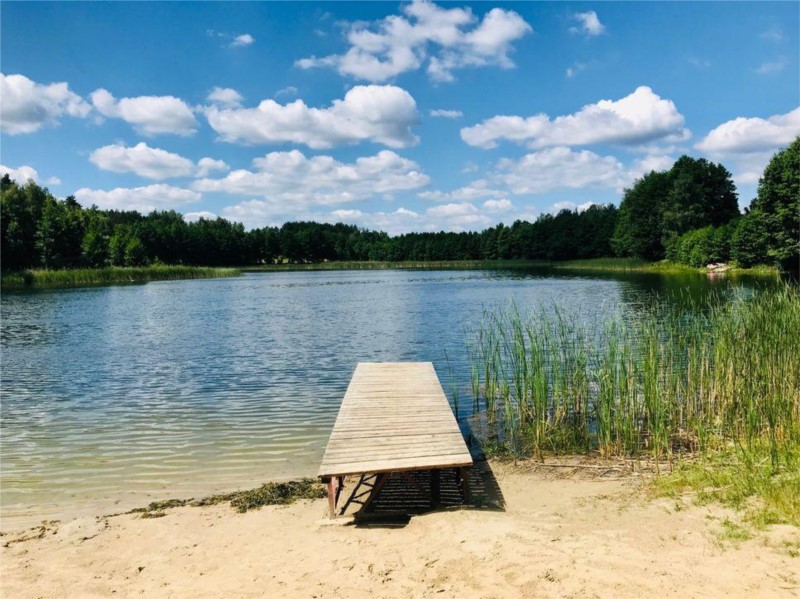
[395,418]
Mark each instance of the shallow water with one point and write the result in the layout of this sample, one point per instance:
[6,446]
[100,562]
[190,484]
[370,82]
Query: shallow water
[114,396]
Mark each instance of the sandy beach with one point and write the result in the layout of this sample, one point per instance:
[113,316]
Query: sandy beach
[553,532]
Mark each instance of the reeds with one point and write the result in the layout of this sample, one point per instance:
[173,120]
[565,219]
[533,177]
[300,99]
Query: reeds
[82,277]
[661,381]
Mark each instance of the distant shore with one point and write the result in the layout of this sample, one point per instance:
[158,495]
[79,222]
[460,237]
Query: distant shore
[594,264]
[113,275]
[117,275]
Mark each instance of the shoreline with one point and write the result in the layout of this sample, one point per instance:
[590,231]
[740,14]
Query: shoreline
[93,277]
[568,530]
[112,275]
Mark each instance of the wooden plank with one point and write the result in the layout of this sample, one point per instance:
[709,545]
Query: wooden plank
[394,417]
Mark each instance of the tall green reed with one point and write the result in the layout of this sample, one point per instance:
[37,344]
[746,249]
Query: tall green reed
[663,380]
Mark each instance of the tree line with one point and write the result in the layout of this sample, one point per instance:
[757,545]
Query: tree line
[40,231]
[687,214]
[690,214]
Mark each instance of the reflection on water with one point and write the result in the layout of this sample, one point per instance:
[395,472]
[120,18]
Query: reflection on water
[113,396]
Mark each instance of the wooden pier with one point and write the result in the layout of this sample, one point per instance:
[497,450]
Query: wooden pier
[395,418]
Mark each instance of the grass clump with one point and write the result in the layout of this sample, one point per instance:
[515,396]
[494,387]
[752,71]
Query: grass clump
[742,480]
[84,277]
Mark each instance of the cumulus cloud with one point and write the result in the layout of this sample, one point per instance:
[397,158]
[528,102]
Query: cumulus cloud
[191,217]
[447,114]
[458,217]
[290,181]
[20,175]
[502,205]
[143,199]
[24,173]
[560,168]
[225,96]
[588,23]
[152,163]
[447,39]
[379,113]
[559,206]
[651,162]
[206,166]
[747,143]
[742,134]
[28,106]
[640,117]
[480,188]
[149,115]
[242,40]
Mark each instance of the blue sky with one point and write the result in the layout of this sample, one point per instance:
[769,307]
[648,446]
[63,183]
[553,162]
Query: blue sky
[402,117]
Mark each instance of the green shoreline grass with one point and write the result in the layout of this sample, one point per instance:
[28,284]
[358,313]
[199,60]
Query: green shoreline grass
[595,264]
[114,275]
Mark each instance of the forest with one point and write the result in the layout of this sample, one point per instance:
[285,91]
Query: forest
[688,214]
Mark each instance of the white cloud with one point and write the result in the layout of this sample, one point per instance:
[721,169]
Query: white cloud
[745,144]
[771,67]
[457,217]
[152,163]
[289,181]
[575,69]
[206,166]
[640,117]
[447,114]
[381,114]
[742,134]
[28,106]
[347,214]
[559,206]
[396,222]
[651,162]
[448,39]
[149,115]
[24,173]
[588,23]
[191,217]
[21,175]
[480,188]
[242,40]
[143,199]
[503,205]
[286,92]
[560,168]
[225,96]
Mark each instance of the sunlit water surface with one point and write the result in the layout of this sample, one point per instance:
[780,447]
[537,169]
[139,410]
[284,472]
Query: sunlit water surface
[115,396]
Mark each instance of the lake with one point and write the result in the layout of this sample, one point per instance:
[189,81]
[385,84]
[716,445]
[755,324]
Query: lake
[115,396]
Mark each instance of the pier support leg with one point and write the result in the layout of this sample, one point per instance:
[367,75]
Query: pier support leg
[333,494]
[436,489]
[465,487]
